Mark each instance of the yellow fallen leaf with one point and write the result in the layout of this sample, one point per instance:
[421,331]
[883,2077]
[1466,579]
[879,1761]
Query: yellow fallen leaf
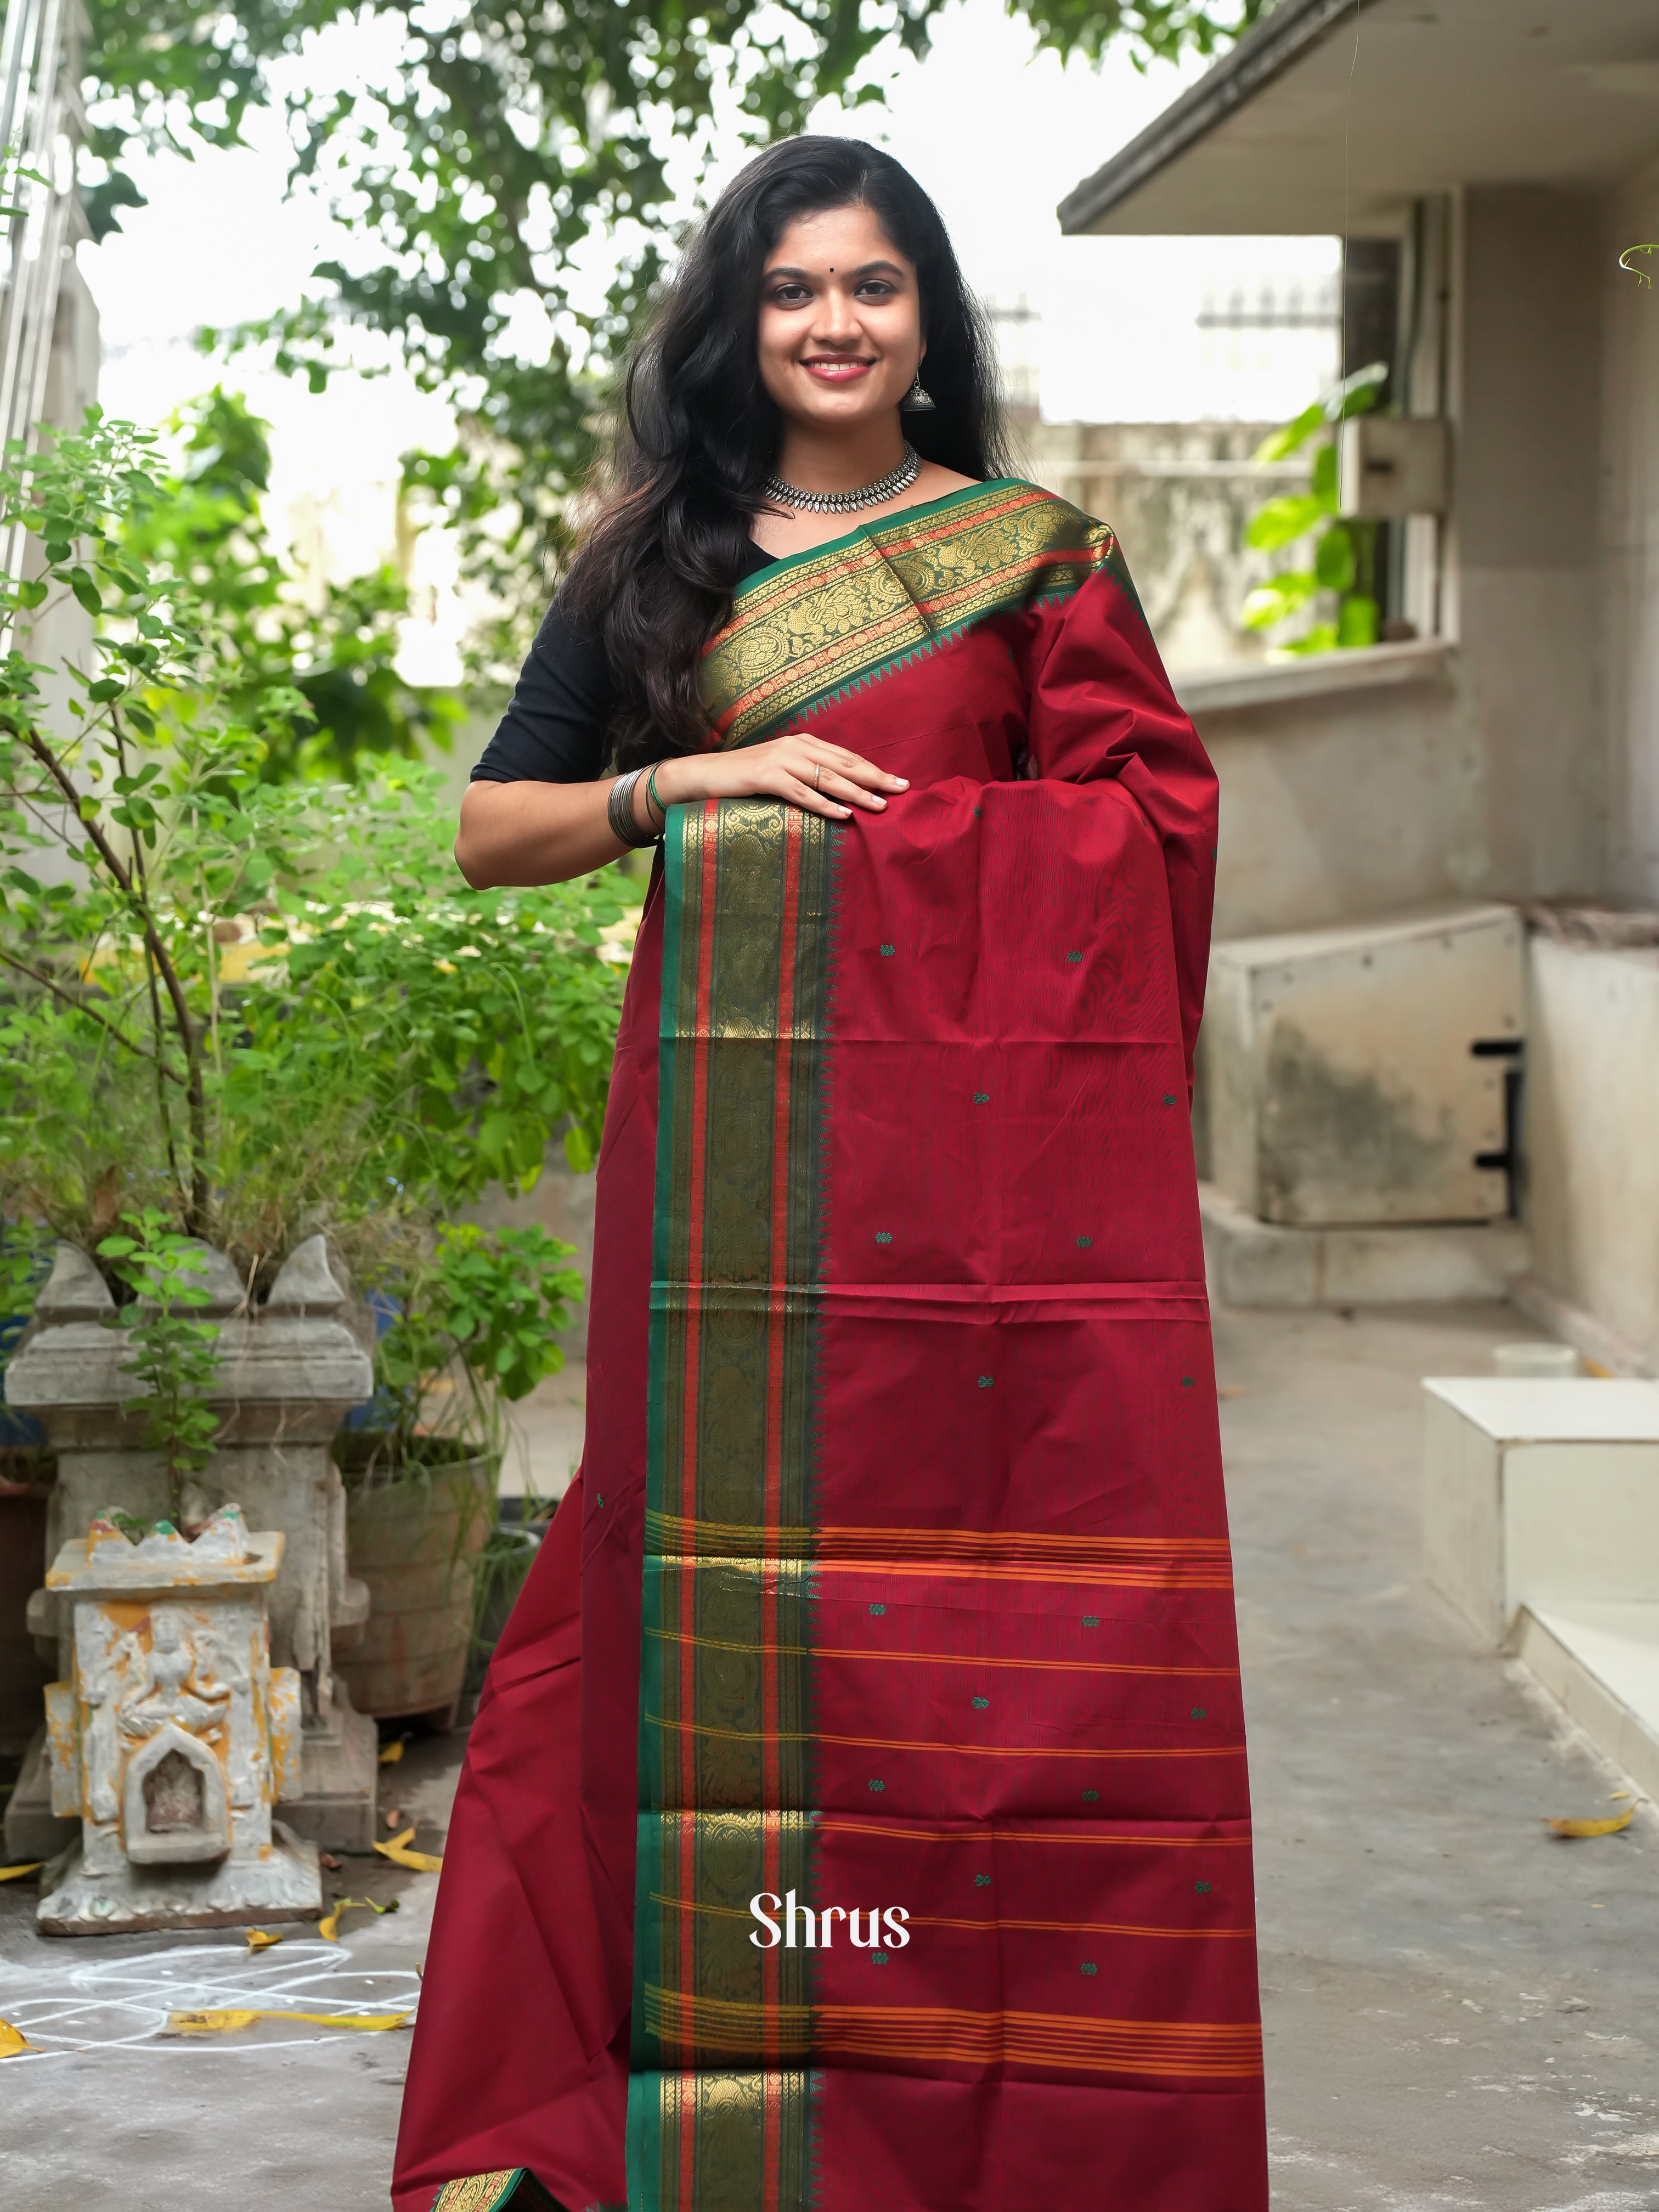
[219,2023]
[1615,1796]
[399,1853]
[1592,1827]
[17,1872]
[392,1753]
[328,1927]
[258,1940]
[12,2040]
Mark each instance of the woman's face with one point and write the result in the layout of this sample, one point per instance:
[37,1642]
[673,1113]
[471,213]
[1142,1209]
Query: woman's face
[840,321]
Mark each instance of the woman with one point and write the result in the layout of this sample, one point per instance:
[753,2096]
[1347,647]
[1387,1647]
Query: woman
[857,1810]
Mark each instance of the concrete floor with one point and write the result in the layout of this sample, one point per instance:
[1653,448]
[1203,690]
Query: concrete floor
[1460,2009]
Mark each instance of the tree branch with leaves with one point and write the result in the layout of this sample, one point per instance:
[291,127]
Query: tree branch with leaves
[485,158]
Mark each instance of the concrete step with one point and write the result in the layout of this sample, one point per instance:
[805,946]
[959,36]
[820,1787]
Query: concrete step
[1258,1263]
[1539,1492]
[1601,1663]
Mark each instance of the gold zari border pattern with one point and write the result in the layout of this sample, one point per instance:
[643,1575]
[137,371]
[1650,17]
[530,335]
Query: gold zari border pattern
[817,626]
[478,2192]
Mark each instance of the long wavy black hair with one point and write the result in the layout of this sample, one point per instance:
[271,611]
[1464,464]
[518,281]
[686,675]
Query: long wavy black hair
[698,431]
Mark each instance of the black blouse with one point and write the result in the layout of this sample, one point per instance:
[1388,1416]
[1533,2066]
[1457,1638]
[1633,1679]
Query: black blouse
[554,729]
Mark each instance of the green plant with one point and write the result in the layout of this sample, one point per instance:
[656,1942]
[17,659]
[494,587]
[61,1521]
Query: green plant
[478,157]
[382,1059]
[1343,553]
[472,1023]
[172,1355]
[1642,275]
[472,1326]
[136,782]
[207,525]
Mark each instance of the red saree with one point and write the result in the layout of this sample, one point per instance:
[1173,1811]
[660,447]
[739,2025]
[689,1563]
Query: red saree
[892,1608]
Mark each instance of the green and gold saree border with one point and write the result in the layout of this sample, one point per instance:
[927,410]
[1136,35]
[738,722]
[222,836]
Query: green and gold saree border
[479,2193]
[810,630]
[509,2189]
[720,2142]
[732,1442]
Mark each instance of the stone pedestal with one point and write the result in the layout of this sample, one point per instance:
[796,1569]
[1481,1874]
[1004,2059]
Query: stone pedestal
[173,1737]
[289,1369]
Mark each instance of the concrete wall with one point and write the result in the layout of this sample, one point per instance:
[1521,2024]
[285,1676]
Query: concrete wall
[1343,803]
[1179,496]
[1630,528]
[1591,1195]
[1489,779]
[1591,1189]
[1524,544]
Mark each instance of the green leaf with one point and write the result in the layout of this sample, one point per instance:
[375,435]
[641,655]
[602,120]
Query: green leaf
[1281,521]
[1355,394]
[1334,559]
[1357,623]
[1279,599]
[1282,443]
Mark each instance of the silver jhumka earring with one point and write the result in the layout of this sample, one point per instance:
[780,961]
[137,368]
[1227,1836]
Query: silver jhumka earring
[916,400]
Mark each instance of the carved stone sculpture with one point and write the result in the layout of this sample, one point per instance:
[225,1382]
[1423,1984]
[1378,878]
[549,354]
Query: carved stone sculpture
[289,1371]
[173,1736]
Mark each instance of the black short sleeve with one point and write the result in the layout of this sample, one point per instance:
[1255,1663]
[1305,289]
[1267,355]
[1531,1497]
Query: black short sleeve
[554,729]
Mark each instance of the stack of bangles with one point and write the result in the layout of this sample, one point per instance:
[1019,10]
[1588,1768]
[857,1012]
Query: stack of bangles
[619,809]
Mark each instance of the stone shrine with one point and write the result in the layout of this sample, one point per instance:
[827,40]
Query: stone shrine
[289,1369]
[173,1737]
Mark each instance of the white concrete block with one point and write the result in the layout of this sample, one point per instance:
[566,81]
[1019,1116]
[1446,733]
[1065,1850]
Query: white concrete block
[1356,1076]
[1601,1663]
[1541,1492]
[1592,1166]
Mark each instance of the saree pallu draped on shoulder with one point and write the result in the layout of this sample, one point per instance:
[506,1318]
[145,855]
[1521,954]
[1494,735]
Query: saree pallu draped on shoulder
[941,1874]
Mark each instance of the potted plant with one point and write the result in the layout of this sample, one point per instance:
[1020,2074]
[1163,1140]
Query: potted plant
[469,1328]
[237,1012]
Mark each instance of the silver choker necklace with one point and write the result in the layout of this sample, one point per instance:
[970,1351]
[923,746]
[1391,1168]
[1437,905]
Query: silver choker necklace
[847,503]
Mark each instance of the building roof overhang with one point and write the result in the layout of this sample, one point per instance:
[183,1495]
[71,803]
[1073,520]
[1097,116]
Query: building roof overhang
[1333,115]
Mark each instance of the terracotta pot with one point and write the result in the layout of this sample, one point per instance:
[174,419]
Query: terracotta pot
[414,1542]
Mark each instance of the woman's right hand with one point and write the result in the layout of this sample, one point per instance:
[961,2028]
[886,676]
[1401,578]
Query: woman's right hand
[546,833]
[806,771]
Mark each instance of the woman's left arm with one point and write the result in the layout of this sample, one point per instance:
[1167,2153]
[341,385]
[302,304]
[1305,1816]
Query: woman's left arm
[1101,706]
